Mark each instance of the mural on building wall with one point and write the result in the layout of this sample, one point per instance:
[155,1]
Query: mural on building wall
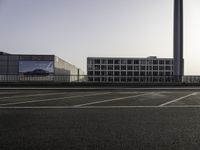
[40,68]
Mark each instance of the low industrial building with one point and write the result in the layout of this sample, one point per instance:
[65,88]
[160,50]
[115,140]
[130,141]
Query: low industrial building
[18,67]
[150,69]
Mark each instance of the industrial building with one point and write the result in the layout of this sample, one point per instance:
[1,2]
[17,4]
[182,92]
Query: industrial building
[150,69]
[18,67]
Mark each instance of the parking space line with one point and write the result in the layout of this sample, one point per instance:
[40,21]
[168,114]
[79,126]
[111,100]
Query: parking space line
[73,107]
[32,95]
[10,92]
[97,107]
[110,100]
[104,88]
[53,99]
[178,99]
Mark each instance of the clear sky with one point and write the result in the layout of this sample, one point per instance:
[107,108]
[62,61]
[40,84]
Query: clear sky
[77,29]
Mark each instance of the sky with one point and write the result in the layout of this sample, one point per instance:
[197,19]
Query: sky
[77,29]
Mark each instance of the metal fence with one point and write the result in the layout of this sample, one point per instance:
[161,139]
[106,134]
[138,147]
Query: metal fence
[37,78]
[100,79]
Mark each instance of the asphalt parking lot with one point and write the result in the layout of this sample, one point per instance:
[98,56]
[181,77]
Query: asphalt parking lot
[164,119]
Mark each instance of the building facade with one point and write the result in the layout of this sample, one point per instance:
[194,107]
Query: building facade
[150,69]
[17,67]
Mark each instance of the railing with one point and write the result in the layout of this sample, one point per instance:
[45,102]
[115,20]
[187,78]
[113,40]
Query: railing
[100,79]
[43,78]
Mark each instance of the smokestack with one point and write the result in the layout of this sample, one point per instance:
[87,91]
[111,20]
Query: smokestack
[178,38]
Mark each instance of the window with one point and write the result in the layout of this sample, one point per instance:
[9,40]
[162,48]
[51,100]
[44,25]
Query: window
[130,67]
[103,73]
[90,72]
[136,79]
[123,79]
[155,73]
[123,67]
[129,73]
[90,67]
[110,79]
[97,61]
[161,74]
[168,62]
[123,61]
[155,62]
[142,67]
[142,73]
[103,79]
[168,67]
[110,73]
[97,79]
[103,67]
[97,67]
[123,73]
[143,62]
[116,79]
[168,74]
[117,67]
[136,73]
[116,73]
[117,61]
[150,62]
[129,62]
[90,61]
[155,67]
[110,61]
[97,73]
[149,67]
[136,67]
[149,73]
[161,62]
[129,79]
[136,62]
[161,67]
[110,67]
[103,61]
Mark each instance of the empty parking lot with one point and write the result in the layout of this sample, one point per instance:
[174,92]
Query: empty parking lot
[100,119]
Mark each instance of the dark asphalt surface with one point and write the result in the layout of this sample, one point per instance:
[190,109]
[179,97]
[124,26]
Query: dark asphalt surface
[157,128]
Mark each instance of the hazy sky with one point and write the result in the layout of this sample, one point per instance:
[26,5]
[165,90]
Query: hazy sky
[77,29]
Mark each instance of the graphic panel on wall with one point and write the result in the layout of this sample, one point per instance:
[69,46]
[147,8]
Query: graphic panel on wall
[42,68]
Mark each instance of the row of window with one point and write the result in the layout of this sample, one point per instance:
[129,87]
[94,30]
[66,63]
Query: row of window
[111,67]
[118,61]
[123,73]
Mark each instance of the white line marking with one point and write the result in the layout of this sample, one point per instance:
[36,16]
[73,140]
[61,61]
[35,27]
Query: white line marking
[73,107]
[127,92]
[10,92]
[32,95]
[96,107]
[53,99]
[110,100]
[115,88]
[178,99]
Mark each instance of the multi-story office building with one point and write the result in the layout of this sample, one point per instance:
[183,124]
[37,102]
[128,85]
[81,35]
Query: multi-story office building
[18,67]
[150,69]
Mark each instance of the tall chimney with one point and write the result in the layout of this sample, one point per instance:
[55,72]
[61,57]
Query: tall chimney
[178,38]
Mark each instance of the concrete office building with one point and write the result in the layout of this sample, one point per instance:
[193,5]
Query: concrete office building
[18,67]
[178,38]
[150,69]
